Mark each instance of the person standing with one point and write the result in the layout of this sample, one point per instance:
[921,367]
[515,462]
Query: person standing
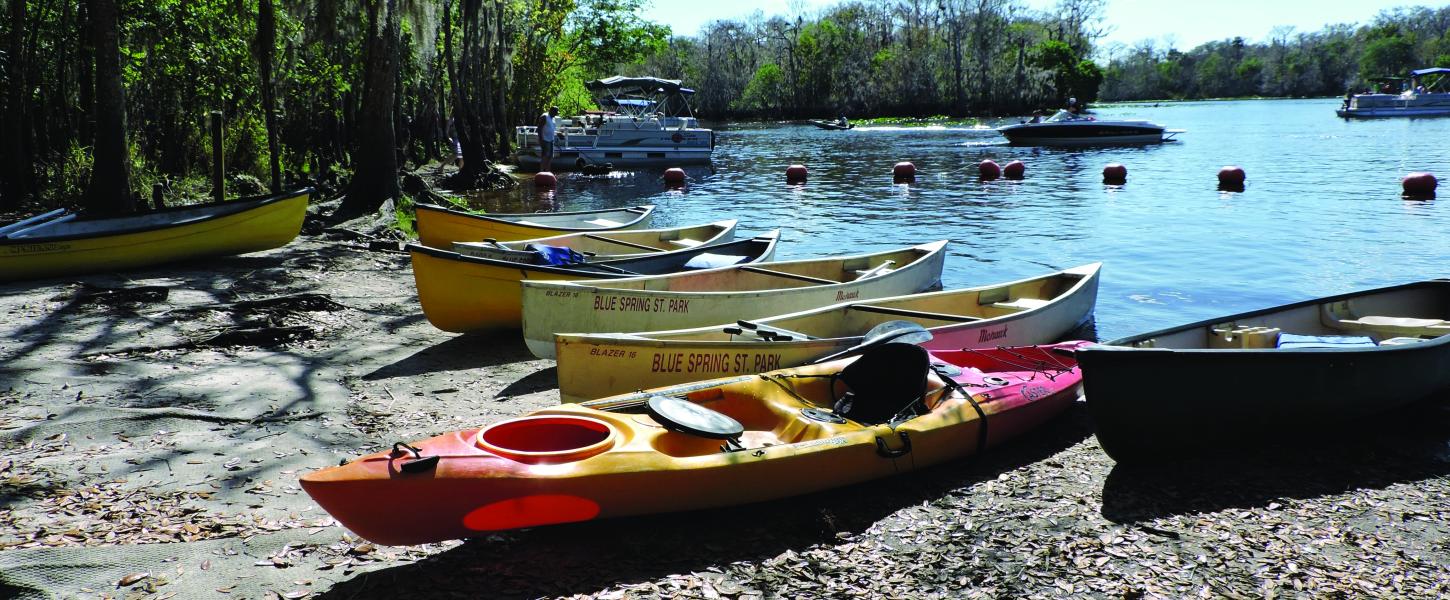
[547,132]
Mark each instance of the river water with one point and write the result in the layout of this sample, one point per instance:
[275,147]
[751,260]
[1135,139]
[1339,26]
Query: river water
[1321,212]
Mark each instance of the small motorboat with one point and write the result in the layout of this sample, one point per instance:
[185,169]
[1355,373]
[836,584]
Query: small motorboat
[733,291]
[1220,384]
[439,227]
[1068,129]
[58,243]
[838,125]
[723,442]
[1037,310]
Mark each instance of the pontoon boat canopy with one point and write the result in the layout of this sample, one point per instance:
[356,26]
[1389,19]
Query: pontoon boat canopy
[671,86]
[1436,70]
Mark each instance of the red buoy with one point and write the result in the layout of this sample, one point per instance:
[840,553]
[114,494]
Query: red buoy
[988,169]
[1115,173]
[795,174]
[1014,170]
[1419,184]
[1231,176]
[545,179]
[674,176]
[903,172]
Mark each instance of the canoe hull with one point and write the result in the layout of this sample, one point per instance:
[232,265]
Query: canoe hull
[590,309]
[439,227]
[465,294]
[1144,411]
[215,230]
[642,468]
[599,365]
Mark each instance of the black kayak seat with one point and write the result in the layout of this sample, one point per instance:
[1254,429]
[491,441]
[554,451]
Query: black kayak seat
[883,382]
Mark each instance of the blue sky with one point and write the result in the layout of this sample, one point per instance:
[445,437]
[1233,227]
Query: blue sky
[1187,24]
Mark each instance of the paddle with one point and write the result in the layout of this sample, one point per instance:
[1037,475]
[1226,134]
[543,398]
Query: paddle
[904,332]
[773,333]
[25,223]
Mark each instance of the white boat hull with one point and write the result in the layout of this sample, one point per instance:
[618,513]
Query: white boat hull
[706,297]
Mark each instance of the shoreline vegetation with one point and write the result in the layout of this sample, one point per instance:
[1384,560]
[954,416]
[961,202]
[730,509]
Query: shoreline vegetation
[112,104]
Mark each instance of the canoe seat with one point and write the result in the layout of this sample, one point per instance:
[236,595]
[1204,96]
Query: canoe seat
[530,223]
[707,260]
[602,222]
[881,269]
[686,243]
[1021,304]
[1339,316]
[1242,336]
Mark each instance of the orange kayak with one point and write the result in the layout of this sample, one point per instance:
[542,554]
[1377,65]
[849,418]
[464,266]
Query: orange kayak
[729,441]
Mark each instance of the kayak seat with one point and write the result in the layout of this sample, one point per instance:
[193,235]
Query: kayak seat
[885,384]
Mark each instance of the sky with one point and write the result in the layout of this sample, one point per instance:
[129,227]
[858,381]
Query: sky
[1184,23]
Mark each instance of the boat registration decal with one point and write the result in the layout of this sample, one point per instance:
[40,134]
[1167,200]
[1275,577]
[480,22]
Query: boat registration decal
[35,248]
[636,304]
[989,335]
[1033,392]
[713,362]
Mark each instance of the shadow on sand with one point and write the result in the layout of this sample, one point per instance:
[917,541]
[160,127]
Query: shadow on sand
[587,557]
[1406,445]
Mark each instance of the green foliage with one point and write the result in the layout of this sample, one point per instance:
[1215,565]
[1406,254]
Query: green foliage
[764,92]
[1386,56]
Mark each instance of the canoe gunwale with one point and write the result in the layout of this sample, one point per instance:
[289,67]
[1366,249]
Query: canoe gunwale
[587,274]
[648,211]
[212,211]
[929,251]
[1121,344]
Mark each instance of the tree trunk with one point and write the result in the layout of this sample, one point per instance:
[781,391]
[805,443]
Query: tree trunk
[109,192]
[16,183]
[266,44]
[375,162]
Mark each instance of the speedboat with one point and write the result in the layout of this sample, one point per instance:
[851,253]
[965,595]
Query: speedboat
[1068,129]
[837,125]
[644,122]
[1416,101]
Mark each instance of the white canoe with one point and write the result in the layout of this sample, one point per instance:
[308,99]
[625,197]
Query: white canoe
[438,227]
[1037,310]
[605,245]
[723,294]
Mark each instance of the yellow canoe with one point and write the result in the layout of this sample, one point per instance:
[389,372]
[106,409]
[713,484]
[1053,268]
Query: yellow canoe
[701,298]
[69,247]
[606,245]
[1036,310]
[439,227]
[466,294]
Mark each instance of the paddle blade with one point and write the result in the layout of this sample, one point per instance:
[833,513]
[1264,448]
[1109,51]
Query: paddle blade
[898,331]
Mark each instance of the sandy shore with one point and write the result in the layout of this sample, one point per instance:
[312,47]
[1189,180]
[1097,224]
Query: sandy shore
[154,424]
